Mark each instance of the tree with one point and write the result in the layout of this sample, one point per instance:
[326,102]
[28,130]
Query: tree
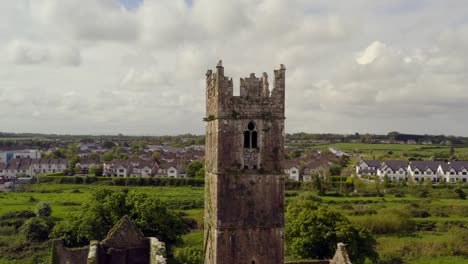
[107,156]
[427,184]
[156,155]
[193,168]
[318,182]
[386,181]
[96,170]
[106,207]
[343,161]
[200,173]
[378,185]
[43,209]
[73,162]
[108,144]
[73,150]
[335,169]
[94,155]
[35,230]
[313,231]
[296,153]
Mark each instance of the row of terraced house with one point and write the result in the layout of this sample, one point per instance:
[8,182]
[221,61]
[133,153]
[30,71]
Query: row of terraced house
[397,170]
[16,167]
[27,167]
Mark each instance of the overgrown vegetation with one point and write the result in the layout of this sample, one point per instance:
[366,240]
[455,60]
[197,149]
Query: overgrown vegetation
[408,227]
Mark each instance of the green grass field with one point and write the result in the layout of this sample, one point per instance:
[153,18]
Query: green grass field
[433,241]
[375,150]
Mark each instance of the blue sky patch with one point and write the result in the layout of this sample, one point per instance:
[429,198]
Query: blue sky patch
[131,4]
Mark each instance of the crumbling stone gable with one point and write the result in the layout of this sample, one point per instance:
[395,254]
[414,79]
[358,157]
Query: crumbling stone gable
[124,244]
[244,181]
[125,234]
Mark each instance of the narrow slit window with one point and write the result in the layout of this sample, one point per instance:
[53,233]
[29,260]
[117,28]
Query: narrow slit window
[247,139]
[254,139]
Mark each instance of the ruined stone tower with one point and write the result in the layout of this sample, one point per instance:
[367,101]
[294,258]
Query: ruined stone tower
[244,181]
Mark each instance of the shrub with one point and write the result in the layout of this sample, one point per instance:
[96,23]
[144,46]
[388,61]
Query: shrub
[292,185]
[7,230]
[313,230]
[43,209]
[106,207]
[17,214]
[461,194]
[363,210]
[35,230]
[311,197]
[388,221]
[188,255]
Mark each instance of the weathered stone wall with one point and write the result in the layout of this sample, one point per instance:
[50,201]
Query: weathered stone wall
[157,251]
[62,255]
[244,187]
[124,244]
[341,256]
[310,262]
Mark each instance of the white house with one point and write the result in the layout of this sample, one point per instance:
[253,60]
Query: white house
[368,167]
[293,170]
[396,170]
[174,170]
[32,167]
[422,170]
[454,171]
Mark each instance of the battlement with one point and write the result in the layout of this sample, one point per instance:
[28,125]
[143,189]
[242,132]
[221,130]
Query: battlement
[255,97]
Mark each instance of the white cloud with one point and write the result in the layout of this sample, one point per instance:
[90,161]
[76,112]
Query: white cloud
[368,66]
[24,52]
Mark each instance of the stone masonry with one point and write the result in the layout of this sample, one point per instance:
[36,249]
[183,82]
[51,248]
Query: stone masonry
[244,181]
[125,244]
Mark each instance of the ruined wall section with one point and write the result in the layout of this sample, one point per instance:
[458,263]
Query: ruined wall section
[228,117]
[62,254]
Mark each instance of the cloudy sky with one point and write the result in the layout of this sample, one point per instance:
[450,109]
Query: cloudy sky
[137,66]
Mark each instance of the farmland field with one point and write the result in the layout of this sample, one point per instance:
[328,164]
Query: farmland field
[436,231]
[398,150]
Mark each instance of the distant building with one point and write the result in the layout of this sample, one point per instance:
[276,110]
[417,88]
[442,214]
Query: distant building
[367,167]
[292,169]
[32,167]
[395,170]
[85,164]
[422,170]
[131,168]
[338,152]
[7,155]
[454,171]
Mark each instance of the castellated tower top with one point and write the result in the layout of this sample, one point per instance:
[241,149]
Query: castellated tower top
[244,169]
[254,91]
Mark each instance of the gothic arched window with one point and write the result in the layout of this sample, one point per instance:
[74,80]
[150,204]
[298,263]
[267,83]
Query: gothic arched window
[250,136]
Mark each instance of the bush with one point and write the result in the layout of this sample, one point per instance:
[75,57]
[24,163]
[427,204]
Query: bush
[17,214]
[313,230]
[35,230]
[292,185]
[388,221]
[7,230]
[123,181]
[106,207]
[461,194]
[363,210]
[43,209]
[188,255]
[421,213]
